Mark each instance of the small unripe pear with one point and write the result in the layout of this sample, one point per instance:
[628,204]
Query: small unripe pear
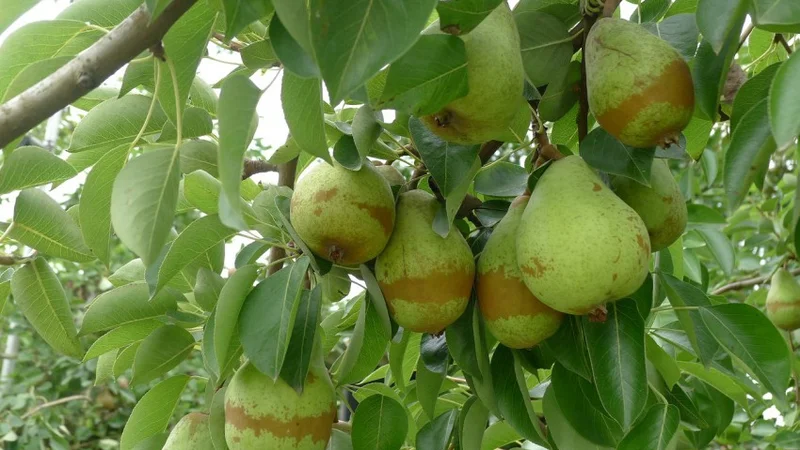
[495,77]
[512,313]
[343,216]
[392,175]
[578,245]
[640,89]
[783,301]
[425,278]
[661,206]
[190,433]
[261,413]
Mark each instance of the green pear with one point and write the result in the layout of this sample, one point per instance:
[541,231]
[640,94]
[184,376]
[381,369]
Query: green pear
[190,433]
[262,413]
[495,77]
[425,278]
[392,175]
[512,313]
[578,245]
[661,206]
[640,89]
[343,216]
[783,301]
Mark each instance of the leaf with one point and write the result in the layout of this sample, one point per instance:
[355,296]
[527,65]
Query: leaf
[304,333]
[367,346]
[366,130]
[267,317]
[124,359]
[259,55]
[202,191]
[461,342]
[710,71]
[207,288]
[462,16]
[198,238]
[121,336]
[749,336]
[105,367]
[718,380]
[512,394]
[379,423]
[431,371]
[127,304]
[196,122]
[5,287]
[561,431]
[282,202]
[346,153]
[95,211]
[650,10]
[717,19]
[435,435]
[501,179]
[681,294]
[354,39]
[406,349]
[240,13]
[216,420]
[293,56]
[616,353]
[472,423]
[655,431]
[32,166]
[748,154]
[143,202]
[568,347]
[777,15]
[752,92]
[160,352]
[41,299]
[116,122]
[103,13]
[546,46]
[422,89]
[12,11]
[680,31]
[561,94]
[40,223]
[605,153]
[151,414]
[785,115]
[237,106]
[302,107]
[663,362]
[721,247]
[499,434]
[697,134]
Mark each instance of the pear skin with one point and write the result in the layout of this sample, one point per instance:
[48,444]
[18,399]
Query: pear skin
[190,433]
[640,90]
[392,175]
[426,279]
[661,206]
[512,313]
[578,245]
[783,301]
[262,413]
[343,216]
[495,77]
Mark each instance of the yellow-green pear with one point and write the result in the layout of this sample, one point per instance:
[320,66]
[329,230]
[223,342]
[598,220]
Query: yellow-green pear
[425,278]
[578,245]
[512,313]
[264,414]
[392,175]
[190,433]
[343,216]
[495,77]
[661,206]
[640,89]
[783,301]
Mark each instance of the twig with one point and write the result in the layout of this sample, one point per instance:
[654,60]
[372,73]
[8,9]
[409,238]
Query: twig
[9,260]
[286,175]
[748,282]
[55,403]
[487,150]
[746,34]
[583,99]
[254,166]
[87,71]
[782,40]
[610,6]
[232,45]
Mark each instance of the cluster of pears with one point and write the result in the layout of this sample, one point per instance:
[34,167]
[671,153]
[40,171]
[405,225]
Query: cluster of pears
[783,301]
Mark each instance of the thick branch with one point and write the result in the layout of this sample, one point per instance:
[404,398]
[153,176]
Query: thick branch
[87,71]
[254,166]
[286,175]
[746,283]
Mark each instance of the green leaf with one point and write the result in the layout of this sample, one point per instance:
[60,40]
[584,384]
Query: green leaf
[748,155]
[697,134]
[777,15]
[95,211]
[41,299]
[710,71]
[561,94]
[124,359]
[216,419]
[546,46]
[196,122]
[785,115]
[237,106]
[5,287]
[302,107]
[663,362]
[367,346]
[127,304]
[561,430]
[461,342]
[378,301]
[752,92]
[650,10]
[431,371]
[346,153]
[721,247]
[462,16]
[605,153]
[717,19]
[282,203]
[40,223]
[499,434]
[259,55]
[267,317]
[198,238]
[616,353]
[422,89]
[681,294]
[116,122]
[152,413]
[143,202]
[199,155]
[288,50]
[747,334]
[121,336]
[435,435]
[240,13]
[512,394]
[379,423]
[366,130]
[655,431]
[160,352]
[568,347]
[32,166]
[105,367]
[207,288]
[304,333]
[680,31]
[203,192]
[103,13]
[229,305]
[13,10]
[472,423]
[156,7]
[718,380]
[501,179]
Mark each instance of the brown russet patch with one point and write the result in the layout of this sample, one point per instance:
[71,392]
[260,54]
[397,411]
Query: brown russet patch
[438,287]
[324,196]
[317,211]
[318,426]
[596,187]
[673,86]
[643,244]
[772,307]
[501,297]
[384,216]
[537,271]
[195,420]
[666,199]
[520,200]
[614,277]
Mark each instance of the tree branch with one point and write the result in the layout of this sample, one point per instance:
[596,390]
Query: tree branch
[254,166]
[54,403]
[286,175]
[9,260]
[779,38]
[746,283]
[87,71]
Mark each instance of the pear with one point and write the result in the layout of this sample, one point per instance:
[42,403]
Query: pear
[578,245]
[661,206]
[392,175]
[343,216]
[426,279]
[262,413]
[495,78]
[640,89]
[190,433]
[783,301]
[512,313]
